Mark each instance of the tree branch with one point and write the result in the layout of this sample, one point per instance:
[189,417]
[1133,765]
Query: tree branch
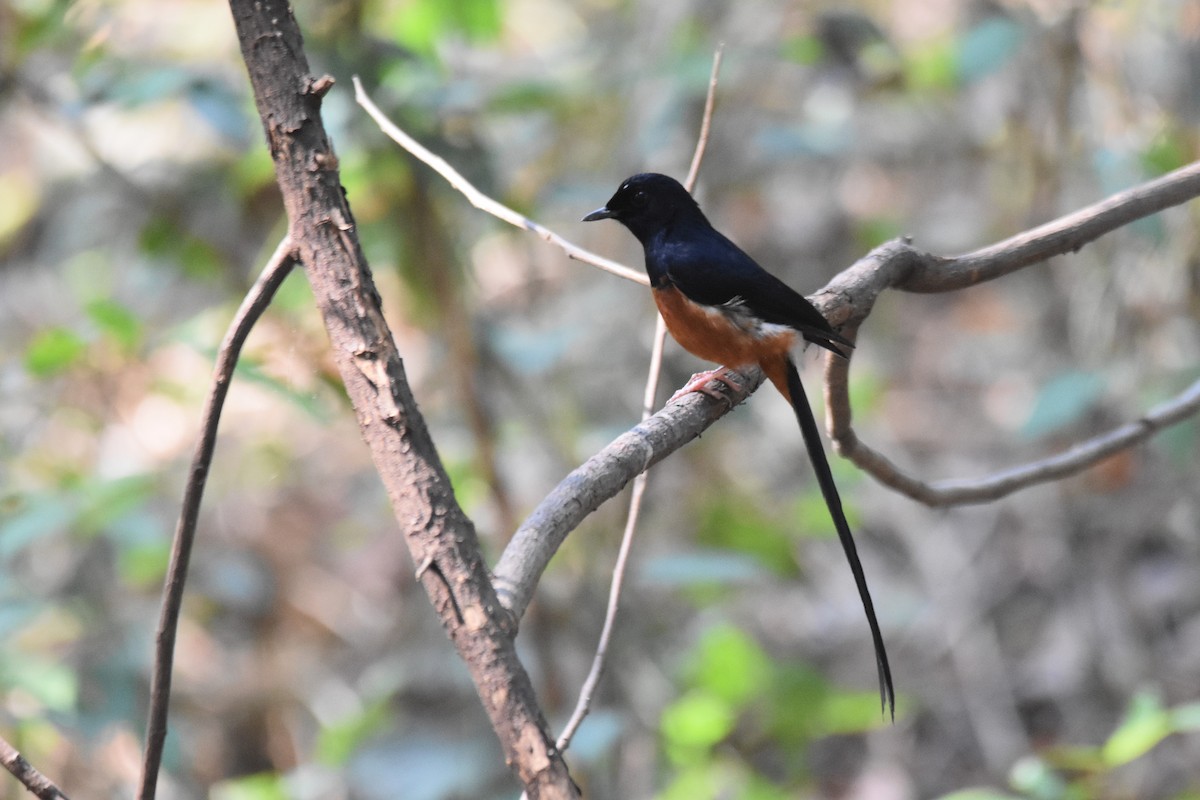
[481,200]
[1005,482]
[256,301]
[23,771]
[848,299]
[601,477]
[440,537]
[649,396]
[1066,234]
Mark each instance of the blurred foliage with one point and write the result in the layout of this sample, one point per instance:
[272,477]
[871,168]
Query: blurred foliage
[1046,645]
[1080,772]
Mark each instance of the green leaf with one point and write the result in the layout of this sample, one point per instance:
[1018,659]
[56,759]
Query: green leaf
[144,563]
[703,781]
[470,487]
[420,24]
[159,236]
[254,171]
[730,665]
[53,351]
[106,502]
[51,683]
[1062,402]
[1076,758]
[804,49]
[1167,151]
[264,786]
[874,231]
[1145,725]
[697,721]
[38,24]
[812,512]
[850,712]
[200,259]
[736,522]
[306,401]
[338,742]
[117,322]
[797,693]
[933,66]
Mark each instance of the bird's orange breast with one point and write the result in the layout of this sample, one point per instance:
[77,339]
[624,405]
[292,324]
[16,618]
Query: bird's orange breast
[716,335]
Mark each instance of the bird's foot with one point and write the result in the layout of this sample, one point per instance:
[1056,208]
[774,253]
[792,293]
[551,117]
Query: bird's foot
[702,382]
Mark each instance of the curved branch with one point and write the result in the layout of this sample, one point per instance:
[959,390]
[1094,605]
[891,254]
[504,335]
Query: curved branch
[1064,235]
[481,200]
[1061,465]
[256,301]
[600,478]
[848,299]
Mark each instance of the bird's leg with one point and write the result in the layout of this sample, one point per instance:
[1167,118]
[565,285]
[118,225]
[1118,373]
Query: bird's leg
[702,382]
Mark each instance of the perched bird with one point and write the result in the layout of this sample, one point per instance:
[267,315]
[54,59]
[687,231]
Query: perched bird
[722,306]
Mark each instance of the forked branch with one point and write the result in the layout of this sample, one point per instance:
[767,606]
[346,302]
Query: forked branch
[848,299]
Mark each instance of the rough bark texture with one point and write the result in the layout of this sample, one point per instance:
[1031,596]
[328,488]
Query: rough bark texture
[441,538]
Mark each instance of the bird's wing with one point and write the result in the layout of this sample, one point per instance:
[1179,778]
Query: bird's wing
[713,271]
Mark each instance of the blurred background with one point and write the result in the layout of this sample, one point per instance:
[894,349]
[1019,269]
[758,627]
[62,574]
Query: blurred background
[1045,646]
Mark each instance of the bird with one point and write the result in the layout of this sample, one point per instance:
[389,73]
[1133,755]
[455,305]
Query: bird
[720,305]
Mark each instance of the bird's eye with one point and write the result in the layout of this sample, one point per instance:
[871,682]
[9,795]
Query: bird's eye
[639,198]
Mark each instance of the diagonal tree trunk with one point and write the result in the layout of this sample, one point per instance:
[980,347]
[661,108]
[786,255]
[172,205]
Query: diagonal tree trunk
[440,537]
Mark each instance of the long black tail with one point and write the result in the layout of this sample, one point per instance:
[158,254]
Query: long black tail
[816,454]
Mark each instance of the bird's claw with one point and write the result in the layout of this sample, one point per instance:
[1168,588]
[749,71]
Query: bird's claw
[702,382]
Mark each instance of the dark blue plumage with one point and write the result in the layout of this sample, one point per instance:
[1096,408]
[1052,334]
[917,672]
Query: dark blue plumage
[684,250]
[722,306]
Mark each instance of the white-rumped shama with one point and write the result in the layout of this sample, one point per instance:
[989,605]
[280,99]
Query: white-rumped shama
[722,306]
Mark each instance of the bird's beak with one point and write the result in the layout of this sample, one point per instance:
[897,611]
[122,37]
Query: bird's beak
[599,213]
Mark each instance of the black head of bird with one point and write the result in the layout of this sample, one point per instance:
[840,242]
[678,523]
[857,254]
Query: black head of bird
[647,203]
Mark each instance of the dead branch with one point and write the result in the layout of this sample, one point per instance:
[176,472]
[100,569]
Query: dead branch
[256,301]
[481,200]
[23,771]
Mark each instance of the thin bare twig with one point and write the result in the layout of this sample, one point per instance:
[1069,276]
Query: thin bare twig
[710,101]
[481,200]
[256,301]
[849,298]
[23,771]
[1067,234]
[1061,465]
[588,690]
